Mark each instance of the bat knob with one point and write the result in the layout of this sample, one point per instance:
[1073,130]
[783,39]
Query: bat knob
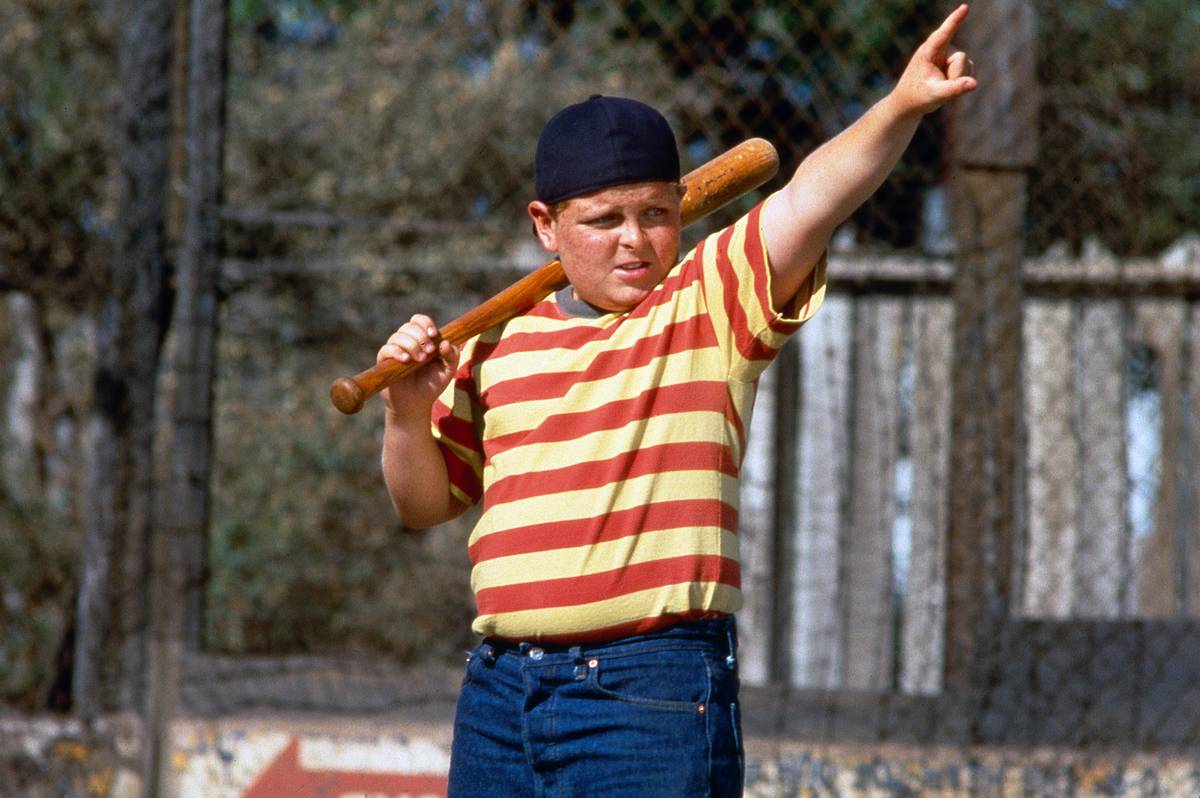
[347,395]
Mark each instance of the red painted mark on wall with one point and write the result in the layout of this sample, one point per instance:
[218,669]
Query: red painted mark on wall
[286,777]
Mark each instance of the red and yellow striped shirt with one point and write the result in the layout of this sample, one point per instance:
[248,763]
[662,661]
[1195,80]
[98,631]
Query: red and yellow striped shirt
[606,450]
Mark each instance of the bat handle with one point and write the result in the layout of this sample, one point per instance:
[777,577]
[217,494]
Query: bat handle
[349,394]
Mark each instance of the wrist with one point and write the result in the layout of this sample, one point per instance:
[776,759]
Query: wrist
[897,106]
[413,415]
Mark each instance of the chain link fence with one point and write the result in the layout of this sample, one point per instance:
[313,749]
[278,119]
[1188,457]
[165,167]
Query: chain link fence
[420,179]
[379,164]
[969,501]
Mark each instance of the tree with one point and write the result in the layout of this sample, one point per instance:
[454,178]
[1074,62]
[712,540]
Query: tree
[1117,160]
[132,320]
[82,208]
[57,235]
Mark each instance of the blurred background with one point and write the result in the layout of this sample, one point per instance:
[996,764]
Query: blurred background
[970,501]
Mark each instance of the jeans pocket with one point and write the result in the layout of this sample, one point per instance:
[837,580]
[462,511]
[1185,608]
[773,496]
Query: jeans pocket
[675,680]
[477,657]
[466,679]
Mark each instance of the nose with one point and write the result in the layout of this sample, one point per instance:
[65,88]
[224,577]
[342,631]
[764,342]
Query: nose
[632,234]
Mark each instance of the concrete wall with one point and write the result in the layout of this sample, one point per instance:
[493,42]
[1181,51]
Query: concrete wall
[59,757]
[264,757]
[256,758]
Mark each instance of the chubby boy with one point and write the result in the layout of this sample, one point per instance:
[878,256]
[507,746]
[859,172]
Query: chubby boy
[603,430]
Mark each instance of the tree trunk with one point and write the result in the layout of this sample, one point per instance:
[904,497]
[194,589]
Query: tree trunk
[119,434]
[23,463]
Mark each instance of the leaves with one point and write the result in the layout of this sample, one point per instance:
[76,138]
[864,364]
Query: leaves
[1118,124]
[56,192]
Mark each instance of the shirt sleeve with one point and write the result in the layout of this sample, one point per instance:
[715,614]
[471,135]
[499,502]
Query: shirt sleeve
[736,280]
[455,421]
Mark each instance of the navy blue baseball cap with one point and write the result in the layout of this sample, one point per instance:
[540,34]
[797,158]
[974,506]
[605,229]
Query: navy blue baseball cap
[603,142]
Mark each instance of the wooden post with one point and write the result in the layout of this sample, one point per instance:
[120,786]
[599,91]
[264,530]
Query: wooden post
[995,142]
[179,546]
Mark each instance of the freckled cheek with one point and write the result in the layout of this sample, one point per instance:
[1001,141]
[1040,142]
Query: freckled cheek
[667,250]
[581,254]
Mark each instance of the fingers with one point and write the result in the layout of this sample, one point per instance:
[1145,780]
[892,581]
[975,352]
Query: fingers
[960,72]
[953,89]
[943,71]
[416,340]
[958,65]
[940,39]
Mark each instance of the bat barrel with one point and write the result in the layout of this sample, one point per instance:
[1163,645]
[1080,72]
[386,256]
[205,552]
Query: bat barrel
[708,188]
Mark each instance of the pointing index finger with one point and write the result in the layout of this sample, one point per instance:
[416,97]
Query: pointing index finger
[940,38]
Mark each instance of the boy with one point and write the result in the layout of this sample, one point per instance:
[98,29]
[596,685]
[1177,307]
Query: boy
[603,431]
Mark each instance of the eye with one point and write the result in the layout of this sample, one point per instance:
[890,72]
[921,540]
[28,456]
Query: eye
[604,220]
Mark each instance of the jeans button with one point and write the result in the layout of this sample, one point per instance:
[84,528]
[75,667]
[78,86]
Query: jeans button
[536,653]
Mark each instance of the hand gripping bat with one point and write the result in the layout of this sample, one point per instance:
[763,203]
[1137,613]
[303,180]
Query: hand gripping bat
[707,188]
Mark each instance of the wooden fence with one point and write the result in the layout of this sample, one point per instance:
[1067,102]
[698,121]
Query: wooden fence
[846,495]
[847,525]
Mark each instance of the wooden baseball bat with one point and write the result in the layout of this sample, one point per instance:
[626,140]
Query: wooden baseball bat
[709,187]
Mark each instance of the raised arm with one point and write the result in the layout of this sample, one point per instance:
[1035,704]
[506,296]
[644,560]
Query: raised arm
[413,468]
[835,179]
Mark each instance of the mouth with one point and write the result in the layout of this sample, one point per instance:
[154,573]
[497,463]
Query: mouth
[633,269]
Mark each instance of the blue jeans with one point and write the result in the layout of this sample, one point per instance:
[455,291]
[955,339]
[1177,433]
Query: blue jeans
[645,716]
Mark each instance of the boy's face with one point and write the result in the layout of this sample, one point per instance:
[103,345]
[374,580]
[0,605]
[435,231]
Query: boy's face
[616,244]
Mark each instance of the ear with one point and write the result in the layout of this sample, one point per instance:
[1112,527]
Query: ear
[543,225]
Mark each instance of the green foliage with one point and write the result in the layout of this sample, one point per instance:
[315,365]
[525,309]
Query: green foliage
[1117,156]
[38,562]
[797,74]
[306,550]
[56,100]
[427,112]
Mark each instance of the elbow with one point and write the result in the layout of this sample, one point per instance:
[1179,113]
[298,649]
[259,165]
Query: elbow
[421,517]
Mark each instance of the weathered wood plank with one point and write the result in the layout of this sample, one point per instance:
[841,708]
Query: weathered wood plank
[822,476]
[1101,558]
[756,535]
[1188,463]
[924,595]
[1158,323]
[867,589]
[1052,466]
